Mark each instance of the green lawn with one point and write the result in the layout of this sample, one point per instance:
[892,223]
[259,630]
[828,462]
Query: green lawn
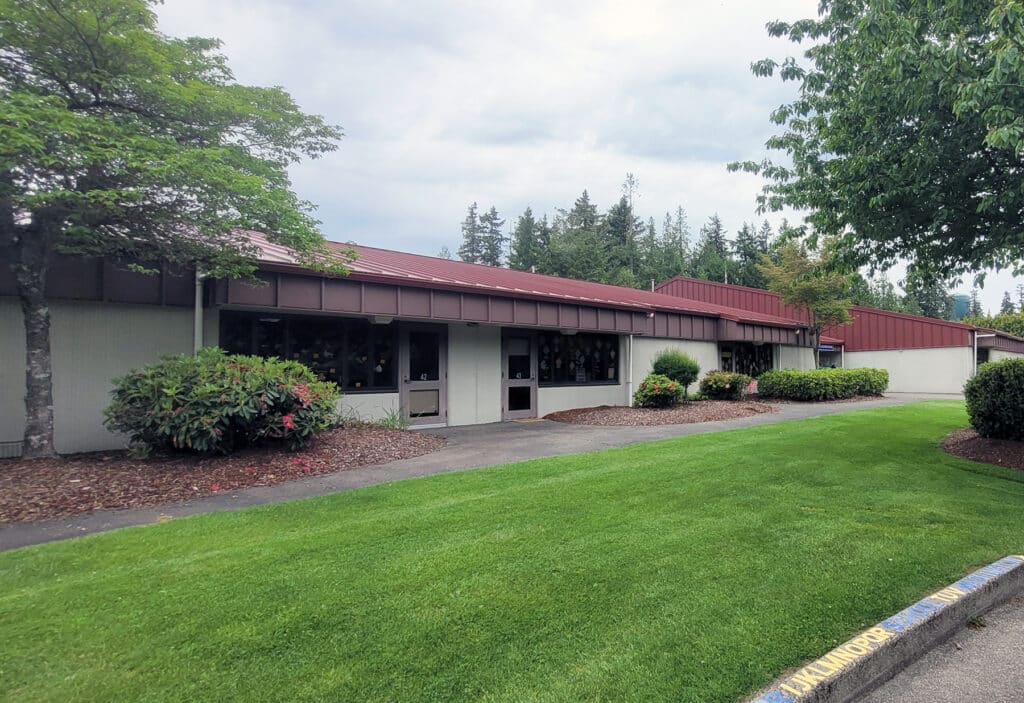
[693,569]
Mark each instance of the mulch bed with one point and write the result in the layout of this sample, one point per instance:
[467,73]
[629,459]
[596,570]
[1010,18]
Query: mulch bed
[966,444]
[697,411]
[40,489]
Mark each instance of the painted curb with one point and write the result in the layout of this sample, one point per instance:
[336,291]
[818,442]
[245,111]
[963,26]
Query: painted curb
[877,654]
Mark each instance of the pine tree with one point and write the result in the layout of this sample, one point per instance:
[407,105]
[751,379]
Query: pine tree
[711,258]
[749,250]
[975,308]
[525,252]
[472,245]
[929,298]
[1006,307]
[445,253]
[619,234]
[492,239]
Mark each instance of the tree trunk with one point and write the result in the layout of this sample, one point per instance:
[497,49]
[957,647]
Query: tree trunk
[816,342]
[31,275]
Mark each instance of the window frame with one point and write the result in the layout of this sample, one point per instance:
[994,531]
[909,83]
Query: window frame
[603,336]
[347,324]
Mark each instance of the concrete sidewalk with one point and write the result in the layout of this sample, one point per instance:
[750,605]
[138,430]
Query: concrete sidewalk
[468,447]
[977,664]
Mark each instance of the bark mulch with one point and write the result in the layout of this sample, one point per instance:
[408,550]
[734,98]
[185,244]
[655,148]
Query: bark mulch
[966,444]
[686,413]
[41,489]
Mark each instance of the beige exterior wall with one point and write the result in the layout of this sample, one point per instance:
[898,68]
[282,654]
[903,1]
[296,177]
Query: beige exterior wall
[367,407]
[790,357]
[92,344]
[940,370]
[999,355]
[554,398]
[645,349]
[474,374]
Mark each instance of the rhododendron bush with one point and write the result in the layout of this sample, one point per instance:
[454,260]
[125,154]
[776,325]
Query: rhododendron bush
[218,403]
[657,391]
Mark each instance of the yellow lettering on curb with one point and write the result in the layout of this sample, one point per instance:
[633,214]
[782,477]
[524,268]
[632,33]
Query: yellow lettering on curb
[789,689]
[807,678]
[855,649]
[838,658]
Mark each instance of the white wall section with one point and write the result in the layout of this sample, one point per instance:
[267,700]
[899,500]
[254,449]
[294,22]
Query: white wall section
[938,370]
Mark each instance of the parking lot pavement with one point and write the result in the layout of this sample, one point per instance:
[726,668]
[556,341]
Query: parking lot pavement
[982,662]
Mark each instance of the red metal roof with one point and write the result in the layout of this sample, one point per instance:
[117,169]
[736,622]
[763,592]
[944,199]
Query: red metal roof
[386,266]
[871,329]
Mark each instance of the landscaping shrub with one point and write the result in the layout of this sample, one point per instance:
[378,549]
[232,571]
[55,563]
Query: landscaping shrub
[822,384]
[995,399]
[658,391]
[216,403]
[680,367]
[724,385]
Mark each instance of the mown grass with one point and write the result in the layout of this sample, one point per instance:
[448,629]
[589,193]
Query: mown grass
[693,569]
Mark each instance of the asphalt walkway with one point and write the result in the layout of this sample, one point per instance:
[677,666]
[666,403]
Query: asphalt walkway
[468,447]
[976,664]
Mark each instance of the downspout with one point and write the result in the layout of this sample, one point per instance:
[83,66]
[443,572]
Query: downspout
[629,371]
[842,356]
[975,359]
[197,314]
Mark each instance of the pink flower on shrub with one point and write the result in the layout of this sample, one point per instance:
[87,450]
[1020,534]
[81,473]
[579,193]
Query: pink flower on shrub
[656,386]
[289,421]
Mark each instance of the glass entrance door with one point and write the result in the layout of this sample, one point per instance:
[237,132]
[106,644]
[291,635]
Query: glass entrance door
[424,376]
[519,376]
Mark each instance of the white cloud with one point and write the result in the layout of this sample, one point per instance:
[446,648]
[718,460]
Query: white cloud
[511,103]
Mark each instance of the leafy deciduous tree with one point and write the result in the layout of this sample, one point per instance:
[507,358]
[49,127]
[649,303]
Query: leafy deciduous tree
[116,140]
[906,138]
[811,284]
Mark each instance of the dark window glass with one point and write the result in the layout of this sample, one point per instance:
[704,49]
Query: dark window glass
[519,398]
[519,357]
[578,358]
[354,354]
[750,359]
[424,356]
[270,337]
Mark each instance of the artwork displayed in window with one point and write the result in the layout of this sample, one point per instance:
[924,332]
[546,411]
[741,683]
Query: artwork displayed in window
[354,354]
[578,359]
[746,358]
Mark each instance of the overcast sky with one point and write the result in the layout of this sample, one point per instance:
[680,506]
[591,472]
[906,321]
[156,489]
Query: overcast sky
[513,104]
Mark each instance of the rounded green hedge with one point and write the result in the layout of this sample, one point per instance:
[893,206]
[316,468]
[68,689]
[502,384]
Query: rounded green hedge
[215,403]
[822,384]
[676,365]
[995,399]
[724,385]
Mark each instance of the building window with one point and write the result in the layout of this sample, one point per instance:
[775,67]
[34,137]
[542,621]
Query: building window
[743,357]
[353,353]
[578,359]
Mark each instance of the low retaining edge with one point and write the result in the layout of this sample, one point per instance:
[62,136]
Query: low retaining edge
[875,655]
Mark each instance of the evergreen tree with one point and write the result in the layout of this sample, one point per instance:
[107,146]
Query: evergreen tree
[577,248]
[471,249]
[650,255]
[492,239]
[711,258]
[929,297]
[1006,308]
[525,252]
[619,233]
[975,308]
[445,253]
[749,250]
